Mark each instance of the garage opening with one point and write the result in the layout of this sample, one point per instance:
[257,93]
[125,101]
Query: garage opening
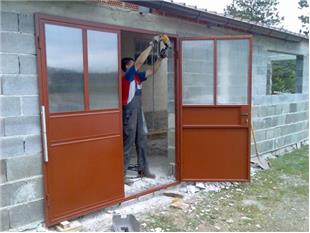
[158,105]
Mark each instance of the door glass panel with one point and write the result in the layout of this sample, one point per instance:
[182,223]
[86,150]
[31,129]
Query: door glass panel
[64,58]
[102,69]
[197,72]
[232,71]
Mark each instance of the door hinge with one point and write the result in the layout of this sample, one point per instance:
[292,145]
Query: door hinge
[38,42]
[47,200]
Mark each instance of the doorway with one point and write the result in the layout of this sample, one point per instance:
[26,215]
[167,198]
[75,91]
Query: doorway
[158,104]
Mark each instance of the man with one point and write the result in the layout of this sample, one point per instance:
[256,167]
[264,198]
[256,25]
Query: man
[133,131]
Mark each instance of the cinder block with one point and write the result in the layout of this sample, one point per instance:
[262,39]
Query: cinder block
[9,64]
[1,127]
[27,213]
[5,220]
[3,177]
[30,105]
[21,191]
[23,167]
[12,42]
[10,106]
[11,146]
[33,144]
[293,107]
[171,138]
[22,125]
[28,64]
[265,146]
[20,85]
[9,21]
[26,23]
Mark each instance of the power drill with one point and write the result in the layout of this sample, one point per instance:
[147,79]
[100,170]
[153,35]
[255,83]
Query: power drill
[164,39]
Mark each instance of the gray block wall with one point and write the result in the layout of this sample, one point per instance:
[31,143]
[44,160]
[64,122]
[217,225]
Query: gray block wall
[20,155]
[279,121]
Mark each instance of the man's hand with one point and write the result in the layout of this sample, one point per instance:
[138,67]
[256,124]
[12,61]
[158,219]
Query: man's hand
[163,53]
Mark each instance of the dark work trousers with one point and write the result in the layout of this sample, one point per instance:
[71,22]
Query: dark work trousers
[133,132]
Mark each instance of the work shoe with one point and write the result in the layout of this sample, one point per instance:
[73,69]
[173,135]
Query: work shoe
[146,173]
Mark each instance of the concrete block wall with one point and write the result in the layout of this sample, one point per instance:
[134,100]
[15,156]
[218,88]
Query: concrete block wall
[20,155]
[280,121]
[20,163]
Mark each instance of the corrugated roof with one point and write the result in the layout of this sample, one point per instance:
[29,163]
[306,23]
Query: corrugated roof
[218,19]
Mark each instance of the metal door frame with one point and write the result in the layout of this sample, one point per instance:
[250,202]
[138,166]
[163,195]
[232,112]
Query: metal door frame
[214,105]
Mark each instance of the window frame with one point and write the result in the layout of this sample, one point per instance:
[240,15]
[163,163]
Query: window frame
[84,26]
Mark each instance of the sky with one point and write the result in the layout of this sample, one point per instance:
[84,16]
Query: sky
[287,8]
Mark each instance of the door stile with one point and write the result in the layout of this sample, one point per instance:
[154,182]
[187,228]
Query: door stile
[85,69]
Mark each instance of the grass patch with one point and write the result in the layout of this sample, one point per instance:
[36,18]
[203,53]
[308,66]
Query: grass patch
[274,200]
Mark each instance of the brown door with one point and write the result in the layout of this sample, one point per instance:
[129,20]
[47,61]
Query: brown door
[80,98]
[216,108]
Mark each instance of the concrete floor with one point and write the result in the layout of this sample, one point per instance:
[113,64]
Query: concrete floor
[159,166]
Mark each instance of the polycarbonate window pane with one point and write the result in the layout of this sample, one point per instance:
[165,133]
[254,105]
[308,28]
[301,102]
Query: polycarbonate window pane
[232,71]
[102,69]
[64,57]
[197,71]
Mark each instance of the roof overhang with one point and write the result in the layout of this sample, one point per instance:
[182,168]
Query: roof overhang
[220,20]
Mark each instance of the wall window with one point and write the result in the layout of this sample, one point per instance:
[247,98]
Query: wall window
[284,74]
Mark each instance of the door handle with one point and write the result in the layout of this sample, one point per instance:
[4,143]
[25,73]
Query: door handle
[43,123]
[245,114]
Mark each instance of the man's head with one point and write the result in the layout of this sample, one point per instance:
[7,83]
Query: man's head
[127,62]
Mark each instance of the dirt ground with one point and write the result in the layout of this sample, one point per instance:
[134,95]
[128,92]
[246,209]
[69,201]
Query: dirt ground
[275,200]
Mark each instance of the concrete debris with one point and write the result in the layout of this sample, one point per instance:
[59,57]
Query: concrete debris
[229,220]
[67,226]
[192,189]
[200,185]
[173,194]
[246,218]
[178,203]
[125,223]
[260,162]
[217,227]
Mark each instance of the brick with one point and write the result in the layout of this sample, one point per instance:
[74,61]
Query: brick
[22,167]
[28,64]
[9,64]
[26,23]
[3,177]
[17,43]
[20,85]
[21,125]
[5,220]
[30,105]
[11,146]
[9,21]
[27,213]
[21,191]
[10,106]
[33,144]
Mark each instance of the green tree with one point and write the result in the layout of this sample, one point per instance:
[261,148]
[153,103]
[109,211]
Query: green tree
[262,11]
[284,76]
[303,4]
